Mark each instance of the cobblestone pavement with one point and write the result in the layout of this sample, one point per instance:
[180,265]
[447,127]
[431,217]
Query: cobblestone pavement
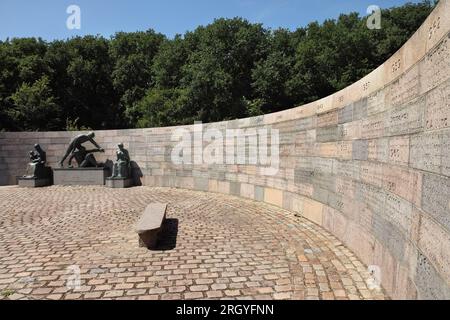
[215,246]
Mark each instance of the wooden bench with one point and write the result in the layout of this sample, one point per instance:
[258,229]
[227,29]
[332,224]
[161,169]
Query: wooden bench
[150,223]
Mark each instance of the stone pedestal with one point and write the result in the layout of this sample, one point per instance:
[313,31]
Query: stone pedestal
[80,176]
[119,182]
[33,182]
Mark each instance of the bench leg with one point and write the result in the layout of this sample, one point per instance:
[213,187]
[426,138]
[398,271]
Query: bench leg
[148,239]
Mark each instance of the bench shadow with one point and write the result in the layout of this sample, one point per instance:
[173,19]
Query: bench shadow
[167,238]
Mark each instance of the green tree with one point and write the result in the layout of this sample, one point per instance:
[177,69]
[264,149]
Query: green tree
[34,107]
[133,55]
[162,107]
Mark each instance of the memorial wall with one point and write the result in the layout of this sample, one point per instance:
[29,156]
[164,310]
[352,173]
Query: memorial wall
[370,163]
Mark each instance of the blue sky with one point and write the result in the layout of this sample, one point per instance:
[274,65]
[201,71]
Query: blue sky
[47,18]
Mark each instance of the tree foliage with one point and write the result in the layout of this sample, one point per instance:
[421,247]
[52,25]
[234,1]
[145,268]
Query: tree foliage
[228,69]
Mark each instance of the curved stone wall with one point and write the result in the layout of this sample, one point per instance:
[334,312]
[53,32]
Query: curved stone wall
[370,163]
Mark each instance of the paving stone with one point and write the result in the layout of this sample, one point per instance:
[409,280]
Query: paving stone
[220,252]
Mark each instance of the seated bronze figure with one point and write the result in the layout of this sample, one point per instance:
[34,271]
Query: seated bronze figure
[122,167]
[36,167]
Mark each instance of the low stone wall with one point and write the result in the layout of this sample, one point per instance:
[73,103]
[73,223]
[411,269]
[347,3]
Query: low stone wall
[370,163]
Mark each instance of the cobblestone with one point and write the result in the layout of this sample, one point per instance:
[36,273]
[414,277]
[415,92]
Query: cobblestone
[214,247]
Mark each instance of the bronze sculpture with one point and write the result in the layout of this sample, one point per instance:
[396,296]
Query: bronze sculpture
[76,146]
[83,157]
[122,167]
[36,167]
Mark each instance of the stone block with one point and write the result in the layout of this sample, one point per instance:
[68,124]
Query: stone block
[33,182]
[302,176]
[373,126]
[327,119]
[406,119]
[376,103]
[149,225]
[360,109]
[436,199]
[273,196]
[327,134]
[434,242]
[118,183]
[347,169]
[404,89]
[313,211]
[399,150]
[437,113]
[426,152]
[378,150]
[247,190]
[389,236]
[406,183]
[371,173]
[259,193]
[345,114]
[235,188]
[80,176]
[430,285]
[436,66]
[350,130]
[360,150]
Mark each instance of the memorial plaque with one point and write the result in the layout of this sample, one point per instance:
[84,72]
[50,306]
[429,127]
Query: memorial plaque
[376,103]
[373,197]
[327,119]
[400,213]
[426,152]
[348,169]
[365,219]
[345,187]
[360,109]
[373,126]
[371,173]
[80,176]
[360,150]
[436,199]
[326,149]
[437,114]
[327,134]
[304,142]
[434,242]
[406,119]
[404,182]
[406,88]
[304,163]
[430,286]
[378,149]
[307,136]
[335,222]
[389,235]
[322,166]
[344,150]
[306,123]
[320,194]
[302,176]
[324,181]
[399,150]
[437,65]
[345,114]
[445,138]
[304,189]
[335,201]
[350,130]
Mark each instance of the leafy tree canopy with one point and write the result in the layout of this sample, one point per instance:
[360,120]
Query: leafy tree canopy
[228,69]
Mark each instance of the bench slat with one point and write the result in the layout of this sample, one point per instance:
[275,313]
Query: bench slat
[152,218]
